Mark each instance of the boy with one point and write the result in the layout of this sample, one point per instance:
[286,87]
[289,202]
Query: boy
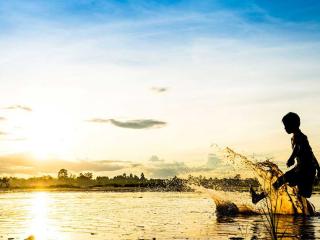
[303,174]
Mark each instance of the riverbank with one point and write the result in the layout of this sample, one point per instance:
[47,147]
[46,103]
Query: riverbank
[109,189]
[90,189]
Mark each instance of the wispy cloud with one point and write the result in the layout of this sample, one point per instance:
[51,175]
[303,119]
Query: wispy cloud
[99,120]
[214,166]
[156,168]
[139,124]
[159,89]
[16,139]
[166,170]
[19,107]
[26,164]
[99,166]
[155,158]
[133,124]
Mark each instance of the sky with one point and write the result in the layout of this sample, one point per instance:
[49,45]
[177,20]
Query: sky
[131,86]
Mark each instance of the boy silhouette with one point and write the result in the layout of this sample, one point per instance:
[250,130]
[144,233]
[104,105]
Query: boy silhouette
[304,172]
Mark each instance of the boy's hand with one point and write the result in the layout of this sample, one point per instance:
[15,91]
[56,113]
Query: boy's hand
[317,178]
[290,162]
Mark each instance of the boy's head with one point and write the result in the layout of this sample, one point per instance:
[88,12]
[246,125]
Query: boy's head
[291,122]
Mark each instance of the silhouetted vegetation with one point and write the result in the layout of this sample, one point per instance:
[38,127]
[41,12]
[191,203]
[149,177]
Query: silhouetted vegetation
[125,182]
[4,182]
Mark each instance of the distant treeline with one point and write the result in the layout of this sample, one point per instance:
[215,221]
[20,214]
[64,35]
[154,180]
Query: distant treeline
[234,183]
[125,182]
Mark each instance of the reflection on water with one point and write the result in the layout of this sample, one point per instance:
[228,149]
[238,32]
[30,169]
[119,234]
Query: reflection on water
[40,226]
[102,215]
[299,227]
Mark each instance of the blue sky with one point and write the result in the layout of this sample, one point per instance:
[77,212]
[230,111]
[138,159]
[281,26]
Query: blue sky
[128,80]
[21,13]
[289,10]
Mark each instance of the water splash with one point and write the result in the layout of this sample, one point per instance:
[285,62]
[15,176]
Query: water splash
[285,200]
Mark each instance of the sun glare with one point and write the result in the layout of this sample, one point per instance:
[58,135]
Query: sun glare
[48,137]
[40,227]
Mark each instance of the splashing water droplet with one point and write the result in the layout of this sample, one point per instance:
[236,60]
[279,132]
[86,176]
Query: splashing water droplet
[285,200]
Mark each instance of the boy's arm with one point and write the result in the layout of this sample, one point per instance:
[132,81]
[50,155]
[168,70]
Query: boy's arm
[294,153]
[316,165]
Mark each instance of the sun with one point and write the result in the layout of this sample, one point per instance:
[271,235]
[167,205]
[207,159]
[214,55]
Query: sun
[48,136]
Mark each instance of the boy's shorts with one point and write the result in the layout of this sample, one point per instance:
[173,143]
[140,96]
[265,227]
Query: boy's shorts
[303,179]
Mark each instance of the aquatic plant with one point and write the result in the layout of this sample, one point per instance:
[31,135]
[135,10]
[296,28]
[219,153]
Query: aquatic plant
[271,205]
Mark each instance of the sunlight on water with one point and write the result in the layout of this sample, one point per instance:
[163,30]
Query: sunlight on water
[40,227]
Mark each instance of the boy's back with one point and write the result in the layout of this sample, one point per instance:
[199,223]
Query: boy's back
[305,156]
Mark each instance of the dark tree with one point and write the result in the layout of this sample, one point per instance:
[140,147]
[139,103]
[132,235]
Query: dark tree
[85,176]
[88,175]
[142,177]
[63,174]
[5,182]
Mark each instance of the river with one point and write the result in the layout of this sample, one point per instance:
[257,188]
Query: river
[139,215]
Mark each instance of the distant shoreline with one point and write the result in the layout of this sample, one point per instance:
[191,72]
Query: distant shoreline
[105,189]
[114,189]
[88,189]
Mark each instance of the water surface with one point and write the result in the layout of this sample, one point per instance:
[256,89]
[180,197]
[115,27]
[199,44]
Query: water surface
[148,215]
